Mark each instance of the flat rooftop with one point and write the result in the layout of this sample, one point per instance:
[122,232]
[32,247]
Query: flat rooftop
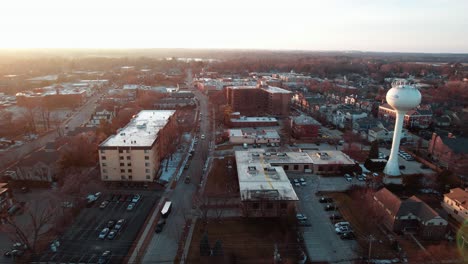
[270,89]
[329,157]
[141,131]
[254,119]
[257,133]
[259,181]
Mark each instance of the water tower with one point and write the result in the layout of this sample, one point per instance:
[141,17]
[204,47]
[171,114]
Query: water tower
[402,97]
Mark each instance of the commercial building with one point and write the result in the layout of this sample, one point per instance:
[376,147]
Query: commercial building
[329,162]
[56,96]
[237,120]
[262,98]
[251,136]
[265,190]
[135,152]
[455,203]
[411,214]
[304,127]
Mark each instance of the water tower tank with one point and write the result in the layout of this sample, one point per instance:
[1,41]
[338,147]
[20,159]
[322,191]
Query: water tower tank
[403,97]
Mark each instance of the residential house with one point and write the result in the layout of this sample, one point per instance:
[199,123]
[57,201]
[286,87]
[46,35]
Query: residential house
[455,203]
[102,114]
[450,151]
[412,215]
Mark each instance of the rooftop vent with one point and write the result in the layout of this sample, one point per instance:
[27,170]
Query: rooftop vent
[323,155]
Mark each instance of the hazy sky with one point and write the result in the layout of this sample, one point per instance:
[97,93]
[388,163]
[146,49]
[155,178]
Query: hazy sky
[369,25]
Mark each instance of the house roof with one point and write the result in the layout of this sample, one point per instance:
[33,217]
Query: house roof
[389,200]
[412,205]
[459,195]
[456,143]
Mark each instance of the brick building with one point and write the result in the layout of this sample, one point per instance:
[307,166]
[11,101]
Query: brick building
[450,152]
[260,99]
[304,127]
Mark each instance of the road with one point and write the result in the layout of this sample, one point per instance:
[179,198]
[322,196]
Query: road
[163,246]
[82,115]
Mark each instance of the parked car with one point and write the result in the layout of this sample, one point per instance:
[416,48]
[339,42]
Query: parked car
[136,198]
[303,183]
[348,177]
[339,224]
[110,223]
[330,207]
[302,180]
[304,223]
[348,235]
[105,256]
[104,204]
[130,206]
[119,224]
[343,229]
[160,225]
[202,136]
[324,199]
[104,233]
[112,234]
[301,217]
[335,217]
[402,167]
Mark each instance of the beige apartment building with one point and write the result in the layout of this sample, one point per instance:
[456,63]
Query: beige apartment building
[135,152]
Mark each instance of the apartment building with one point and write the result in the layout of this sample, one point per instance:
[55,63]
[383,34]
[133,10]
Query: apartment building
[455,203]
[135,152]
[260,99]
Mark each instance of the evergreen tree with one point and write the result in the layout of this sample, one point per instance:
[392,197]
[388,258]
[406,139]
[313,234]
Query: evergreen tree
[218,249]
[205,249]
[374,150]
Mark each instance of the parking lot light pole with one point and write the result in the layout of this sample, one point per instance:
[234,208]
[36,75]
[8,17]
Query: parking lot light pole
[371,239]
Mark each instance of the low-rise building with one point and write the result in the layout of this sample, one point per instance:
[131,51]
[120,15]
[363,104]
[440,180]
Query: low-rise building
[102,114]
[410,215]
[304,127]
[237,120]
[265,190]
[455,203]
[450,152]
[329,162]
[135,152]
[240,136]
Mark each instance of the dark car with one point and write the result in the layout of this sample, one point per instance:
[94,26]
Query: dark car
[335,217]
[325,200]
[104,257]
[110,223]
[330,207]
[160,225]
[402,167]
[112,234]
[348,236]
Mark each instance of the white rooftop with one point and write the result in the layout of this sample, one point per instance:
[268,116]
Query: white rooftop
[254,119]
[258,180]
[141,131]
[329,157]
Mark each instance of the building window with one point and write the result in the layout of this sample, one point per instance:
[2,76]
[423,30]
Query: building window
[121,158]
[306,167]
[296,167]
[146,164]
[147,177]
[269,206]
[146,150]
[122,164]
[129,164]
[127,151]
[128,157]
[146,158]
[122,170]
[122,177]
[286,167]
[104,164]
[147,170]
[106,177]
[104,171]
[103,157]
[283,205]
[103,151]
[120,150]
[255,205]
[130,177]
[129,170]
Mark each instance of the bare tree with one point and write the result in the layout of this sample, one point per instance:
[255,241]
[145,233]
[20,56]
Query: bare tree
[41,216]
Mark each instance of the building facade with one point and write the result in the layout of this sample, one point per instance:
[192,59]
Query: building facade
[135,152]
[450,152]
[455,203]
[304,127]
[263,99]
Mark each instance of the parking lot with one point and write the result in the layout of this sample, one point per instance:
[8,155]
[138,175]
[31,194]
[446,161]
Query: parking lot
[81,242]
[321,241]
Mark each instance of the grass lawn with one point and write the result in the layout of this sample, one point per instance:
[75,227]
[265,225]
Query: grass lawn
[246,241]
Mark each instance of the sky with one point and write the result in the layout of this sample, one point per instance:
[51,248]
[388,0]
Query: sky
[433,26]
